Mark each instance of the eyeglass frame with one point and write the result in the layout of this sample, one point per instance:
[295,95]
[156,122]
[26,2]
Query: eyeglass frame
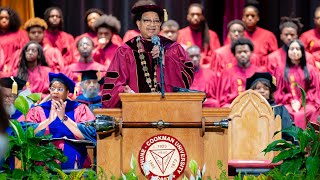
[149,21]
[53,89]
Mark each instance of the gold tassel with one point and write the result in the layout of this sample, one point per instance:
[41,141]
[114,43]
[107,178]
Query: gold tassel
[14,89]
[28,85]
[274,80]
[99,74]
[165,15]
[75,93]
[79,78]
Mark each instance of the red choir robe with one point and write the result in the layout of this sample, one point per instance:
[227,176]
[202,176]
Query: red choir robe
[79,113]
[130,34]
[287,91]
[38,79]
[63,42]
[188,37]
[264,43]
[233,82]
[223,58]
[11,42]
[203,81]
[278,59]
[2,62]
[311,41]
[116,39]
[126,69]
[104,56]
[53,57]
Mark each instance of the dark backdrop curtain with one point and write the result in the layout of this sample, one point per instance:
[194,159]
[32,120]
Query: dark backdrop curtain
[218,12]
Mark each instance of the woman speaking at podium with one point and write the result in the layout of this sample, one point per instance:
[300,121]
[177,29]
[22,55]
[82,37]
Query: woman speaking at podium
[135,67]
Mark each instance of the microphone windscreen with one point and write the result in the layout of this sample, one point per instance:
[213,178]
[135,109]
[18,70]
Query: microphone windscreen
[155,40]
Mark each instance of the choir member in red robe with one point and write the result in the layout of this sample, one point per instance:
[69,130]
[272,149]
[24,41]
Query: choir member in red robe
[11,38]
[289,28]
[298,71]
[199,34]
[233,80]
[169,29]
[86,62]
[105,26]
[55,36]
[63,118]
[264,41]
[134,68]
[311,38]
[223,57]
[91,16]
[35,28]
[130,34]
[33,68]
[204,78]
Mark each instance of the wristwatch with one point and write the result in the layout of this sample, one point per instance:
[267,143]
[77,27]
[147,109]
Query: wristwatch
[65,118]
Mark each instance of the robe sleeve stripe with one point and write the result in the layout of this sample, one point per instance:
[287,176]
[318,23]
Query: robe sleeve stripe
[108,86]
[112,74]
[106,97]
[185,79]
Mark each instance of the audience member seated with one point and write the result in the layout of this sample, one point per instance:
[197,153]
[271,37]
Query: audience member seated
[199,34]
[223,57]
[4,124]
[90,88]
[289,29]
[33,68]
[265,84]
[233,80]
[105,26]
[11,38]
[55,36]
[62,118]
[297,71]
[35,28]
[10,88]
[170,29]
[264,41]
[202,78]
[311,38]
[85,48]
[90,17]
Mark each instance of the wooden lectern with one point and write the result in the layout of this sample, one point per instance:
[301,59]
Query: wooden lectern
[203,144]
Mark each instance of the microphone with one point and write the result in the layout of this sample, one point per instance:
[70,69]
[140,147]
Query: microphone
[156,42]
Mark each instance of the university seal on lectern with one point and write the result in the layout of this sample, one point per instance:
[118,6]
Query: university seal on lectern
[163,156]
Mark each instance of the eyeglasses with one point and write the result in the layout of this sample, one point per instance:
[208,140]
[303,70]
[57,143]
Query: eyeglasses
[149,21]
[10,97]
[52,89]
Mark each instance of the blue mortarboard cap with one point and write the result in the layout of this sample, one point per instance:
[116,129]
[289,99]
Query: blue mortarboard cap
[63,79]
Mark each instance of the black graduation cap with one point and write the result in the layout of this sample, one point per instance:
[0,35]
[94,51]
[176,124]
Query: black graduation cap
[63,79]
[91,74]
[263,76]
[13,83]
